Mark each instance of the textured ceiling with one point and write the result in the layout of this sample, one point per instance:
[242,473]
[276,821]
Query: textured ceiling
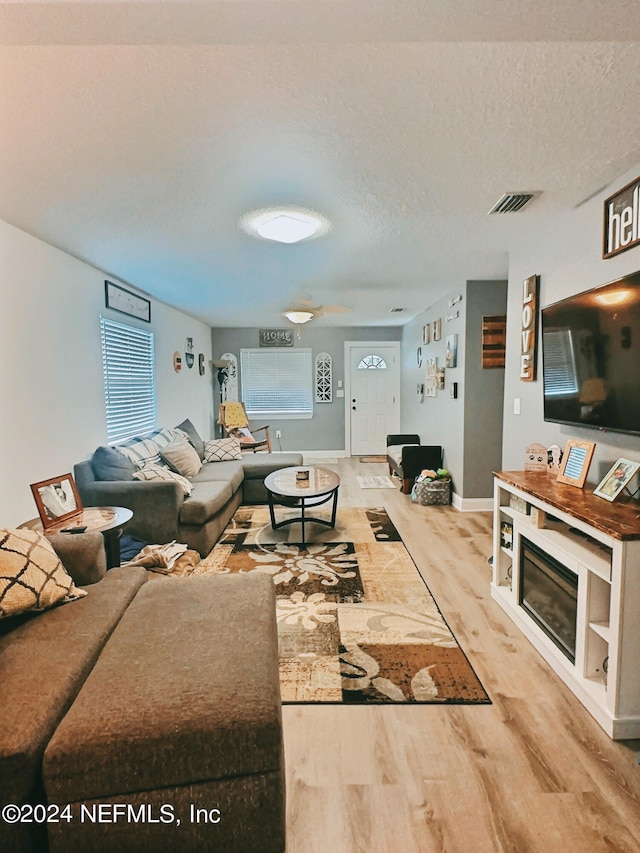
[134,136]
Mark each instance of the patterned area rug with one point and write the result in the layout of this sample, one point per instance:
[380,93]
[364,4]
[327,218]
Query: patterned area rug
[356,622]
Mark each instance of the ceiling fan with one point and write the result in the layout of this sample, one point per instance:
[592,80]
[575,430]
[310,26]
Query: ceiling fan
[304,310]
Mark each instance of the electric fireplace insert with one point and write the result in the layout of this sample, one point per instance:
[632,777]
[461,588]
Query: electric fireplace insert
[549,594]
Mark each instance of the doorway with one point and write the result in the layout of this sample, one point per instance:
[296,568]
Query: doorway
[372,395]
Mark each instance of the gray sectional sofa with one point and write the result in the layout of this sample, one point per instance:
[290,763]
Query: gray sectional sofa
[161,511]
[144,703]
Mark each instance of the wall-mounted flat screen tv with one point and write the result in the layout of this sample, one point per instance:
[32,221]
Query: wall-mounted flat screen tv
[591,357]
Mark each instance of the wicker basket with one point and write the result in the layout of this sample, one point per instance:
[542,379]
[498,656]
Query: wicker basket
[430,492]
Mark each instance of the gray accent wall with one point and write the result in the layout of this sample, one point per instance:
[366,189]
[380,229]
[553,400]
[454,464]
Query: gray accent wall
[325,430]
[469,428]
[483,393]
[565,250]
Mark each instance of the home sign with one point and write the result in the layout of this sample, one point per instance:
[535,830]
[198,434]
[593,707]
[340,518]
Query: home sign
[276,338]
[621,229]
[529,334]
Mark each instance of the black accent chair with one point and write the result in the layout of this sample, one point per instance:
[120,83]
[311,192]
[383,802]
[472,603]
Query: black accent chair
[406,457]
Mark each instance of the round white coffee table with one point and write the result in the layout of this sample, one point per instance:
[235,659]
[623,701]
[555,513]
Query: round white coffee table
[284,487]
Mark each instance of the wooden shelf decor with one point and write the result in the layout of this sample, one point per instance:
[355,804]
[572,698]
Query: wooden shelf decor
[494,340]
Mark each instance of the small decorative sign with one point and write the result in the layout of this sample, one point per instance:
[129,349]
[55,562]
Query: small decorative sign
[529,335]
[536,457]
[276,338]
[621,221]
[119,299]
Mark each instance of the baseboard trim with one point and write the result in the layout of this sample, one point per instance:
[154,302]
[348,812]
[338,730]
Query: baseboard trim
[472,504]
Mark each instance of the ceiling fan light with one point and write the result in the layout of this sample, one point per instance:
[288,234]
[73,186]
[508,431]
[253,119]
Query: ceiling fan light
[298,316]
[284,225]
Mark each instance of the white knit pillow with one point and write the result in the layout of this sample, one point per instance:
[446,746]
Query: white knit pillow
[159,472]
[222,450]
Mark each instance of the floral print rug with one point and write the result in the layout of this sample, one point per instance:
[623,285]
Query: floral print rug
[356,622]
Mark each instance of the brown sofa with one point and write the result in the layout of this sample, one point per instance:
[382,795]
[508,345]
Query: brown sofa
[160,695]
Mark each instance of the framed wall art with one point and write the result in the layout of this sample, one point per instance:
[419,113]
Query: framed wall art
[431,385]
[119,299]
[575,462]
[494,340]
[437,329]
[452,351]
[426,333]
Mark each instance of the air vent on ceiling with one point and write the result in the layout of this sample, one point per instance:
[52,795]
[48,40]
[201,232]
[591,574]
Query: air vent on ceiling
[395,310]
[513,202]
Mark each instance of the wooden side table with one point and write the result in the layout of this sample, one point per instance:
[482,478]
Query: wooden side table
[108,520]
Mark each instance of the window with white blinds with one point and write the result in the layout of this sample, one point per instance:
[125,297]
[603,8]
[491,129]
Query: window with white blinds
[560,374]
[277,382]
[129,380]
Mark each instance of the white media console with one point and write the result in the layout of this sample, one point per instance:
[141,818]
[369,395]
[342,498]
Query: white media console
[592,638]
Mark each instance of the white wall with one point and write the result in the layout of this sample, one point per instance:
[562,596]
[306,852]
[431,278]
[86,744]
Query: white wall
[51,388]
[567,255]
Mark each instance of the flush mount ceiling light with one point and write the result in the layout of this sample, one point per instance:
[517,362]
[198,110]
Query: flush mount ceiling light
[284,224]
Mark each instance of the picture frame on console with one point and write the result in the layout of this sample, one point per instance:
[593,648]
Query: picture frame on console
[575,462]
[57,499]
[616,479]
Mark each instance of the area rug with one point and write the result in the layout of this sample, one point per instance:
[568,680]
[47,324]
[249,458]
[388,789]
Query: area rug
[382,482]
[356,622]
[373,458]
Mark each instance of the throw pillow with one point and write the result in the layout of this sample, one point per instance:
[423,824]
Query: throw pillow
[181,457]
[140,450]
[109,464]
[222,450]
[192,434]
[32,578]
[159,472]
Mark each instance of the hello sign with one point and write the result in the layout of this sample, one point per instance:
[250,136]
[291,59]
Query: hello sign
[622,220]
[529,334]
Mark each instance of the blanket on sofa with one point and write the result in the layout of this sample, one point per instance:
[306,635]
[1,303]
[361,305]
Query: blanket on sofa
[173,557]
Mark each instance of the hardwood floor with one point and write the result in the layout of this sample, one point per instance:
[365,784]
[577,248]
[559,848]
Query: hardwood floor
[531,772]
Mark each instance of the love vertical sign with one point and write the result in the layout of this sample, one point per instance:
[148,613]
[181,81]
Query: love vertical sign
[529,335]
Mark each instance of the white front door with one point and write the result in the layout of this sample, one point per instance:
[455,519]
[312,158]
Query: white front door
[372,395]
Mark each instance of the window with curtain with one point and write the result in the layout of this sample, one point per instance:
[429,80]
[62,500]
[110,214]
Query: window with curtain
[129,380]
[277,382]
